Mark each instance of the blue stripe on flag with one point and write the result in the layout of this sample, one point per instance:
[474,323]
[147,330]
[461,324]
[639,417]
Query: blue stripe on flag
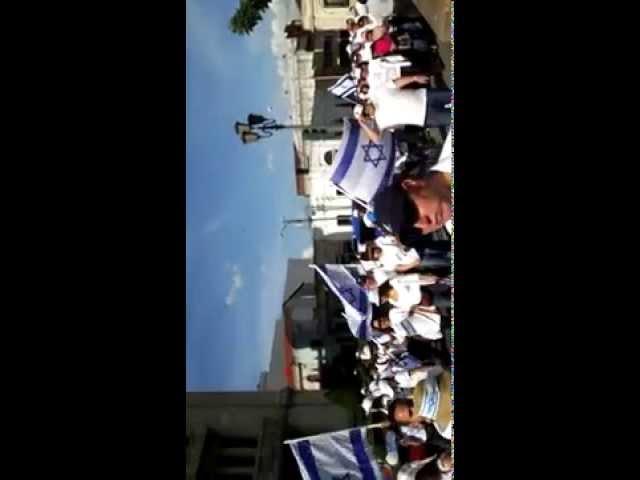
[304,449]
[348,155]
[349,91]
[390,164]
[364,463]
[362,330]
[363,302]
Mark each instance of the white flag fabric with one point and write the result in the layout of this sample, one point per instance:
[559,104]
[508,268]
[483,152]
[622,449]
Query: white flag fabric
[363,167]
[354,298]
[343,455]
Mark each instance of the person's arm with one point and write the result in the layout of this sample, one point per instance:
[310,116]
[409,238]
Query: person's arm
[428,279]
[378,32]
[422,373]
[407,79]
[372,132]
[407,267]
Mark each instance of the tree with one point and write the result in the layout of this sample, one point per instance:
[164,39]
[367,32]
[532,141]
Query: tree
[247,16]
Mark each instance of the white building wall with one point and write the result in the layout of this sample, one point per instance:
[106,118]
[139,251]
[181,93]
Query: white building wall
[323,195]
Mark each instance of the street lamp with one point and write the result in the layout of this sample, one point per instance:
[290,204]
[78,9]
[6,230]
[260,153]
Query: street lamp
[255,119]
[258,127]
[250,137]
[241,128]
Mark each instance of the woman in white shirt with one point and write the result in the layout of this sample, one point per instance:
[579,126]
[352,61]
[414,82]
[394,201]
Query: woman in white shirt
[391,106]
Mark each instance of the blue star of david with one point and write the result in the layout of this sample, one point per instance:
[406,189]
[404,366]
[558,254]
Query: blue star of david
[348,295]
[376,159]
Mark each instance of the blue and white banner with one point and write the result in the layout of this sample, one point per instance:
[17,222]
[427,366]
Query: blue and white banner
[343,455]
[354,298]
[363,167]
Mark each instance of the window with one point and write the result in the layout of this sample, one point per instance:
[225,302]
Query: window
[336,3]
[330,156]
[344,220]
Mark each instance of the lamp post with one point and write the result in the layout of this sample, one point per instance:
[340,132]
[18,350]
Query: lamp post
[258,127]
[309,220]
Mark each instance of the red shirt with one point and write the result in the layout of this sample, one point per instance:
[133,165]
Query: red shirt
[382,46]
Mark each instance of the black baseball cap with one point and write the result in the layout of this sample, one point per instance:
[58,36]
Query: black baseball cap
[394,209]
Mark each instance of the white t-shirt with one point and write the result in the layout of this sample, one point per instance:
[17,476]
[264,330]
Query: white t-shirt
[382,71]
[366,54]
[408,289]
[423,324]
[381,275]
[394,256]
[399,106]
[386,240]
[369,265]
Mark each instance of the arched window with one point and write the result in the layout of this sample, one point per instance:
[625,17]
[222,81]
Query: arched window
[329,156]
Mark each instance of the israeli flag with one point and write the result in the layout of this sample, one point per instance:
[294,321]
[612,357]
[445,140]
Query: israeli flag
[342,455]
[344,87]
[363,167]
[354,298]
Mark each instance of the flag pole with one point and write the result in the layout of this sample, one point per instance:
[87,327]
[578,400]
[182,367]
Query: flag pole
[366,427]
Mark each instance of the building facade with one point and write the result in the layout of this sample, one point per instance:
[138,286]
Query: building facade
[240,435]
[324,14]
[316,60]
[313,348]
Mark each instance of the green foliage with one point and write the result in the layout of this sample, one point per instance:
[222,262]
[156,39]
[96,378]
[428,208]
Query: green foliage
[247,16]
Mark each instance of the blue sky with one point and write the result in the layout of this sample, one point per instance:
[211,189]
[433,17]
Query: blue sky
[237,196]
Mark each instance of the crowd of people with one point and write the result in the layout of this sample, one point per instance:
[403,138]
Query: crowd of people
[395,66]
[407,360]
[406,256]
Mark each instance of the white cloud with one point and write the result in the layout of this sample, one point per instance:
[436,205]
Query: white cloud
[283,12]
[270,165]
[213,225]
[307,252]
[206,40]
[237,282]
